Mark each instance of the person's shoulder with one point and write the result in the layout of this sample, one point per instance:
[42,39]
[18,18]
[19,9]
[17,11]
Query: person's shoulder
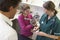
[20,16]
[6,30]
[5,27]
[57,19]
[29,14]
[44,15]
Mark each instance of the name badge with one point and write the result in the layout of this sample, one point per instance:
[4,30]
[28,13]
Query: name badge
[42,22]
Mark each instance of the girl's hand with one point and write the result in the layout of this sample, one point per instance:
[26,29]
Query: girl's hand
[34,29]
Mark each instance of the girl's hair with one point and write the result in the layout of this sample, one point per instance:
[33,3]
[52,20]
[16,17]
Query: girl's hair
[49,5]
[24,7]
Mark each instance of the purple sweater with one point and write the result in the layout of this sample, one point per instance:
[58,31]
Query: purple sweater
[25,26]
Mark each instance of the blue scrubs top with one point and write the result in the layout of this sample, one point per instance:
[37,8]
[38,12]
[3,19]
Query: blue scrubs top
[51,26]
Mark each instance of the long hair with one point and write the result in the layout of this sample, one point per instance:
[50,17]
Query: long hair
[24,7]
[49,5]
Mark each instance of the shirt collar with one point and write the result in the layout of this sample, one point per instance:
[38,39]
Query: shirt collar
[4,18]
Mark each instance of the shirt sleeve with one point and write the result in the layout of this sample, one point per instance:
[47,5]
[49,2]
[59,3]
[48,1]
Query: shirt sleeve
[23,25]
[56,30]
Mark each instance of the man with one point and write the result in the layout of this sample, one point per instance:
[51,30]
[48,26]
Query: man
[7,11]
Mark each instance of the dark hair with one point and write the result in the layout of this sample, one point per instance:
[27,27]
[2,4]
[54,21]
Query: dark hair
[6,4]
[49,5]
[24,7]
